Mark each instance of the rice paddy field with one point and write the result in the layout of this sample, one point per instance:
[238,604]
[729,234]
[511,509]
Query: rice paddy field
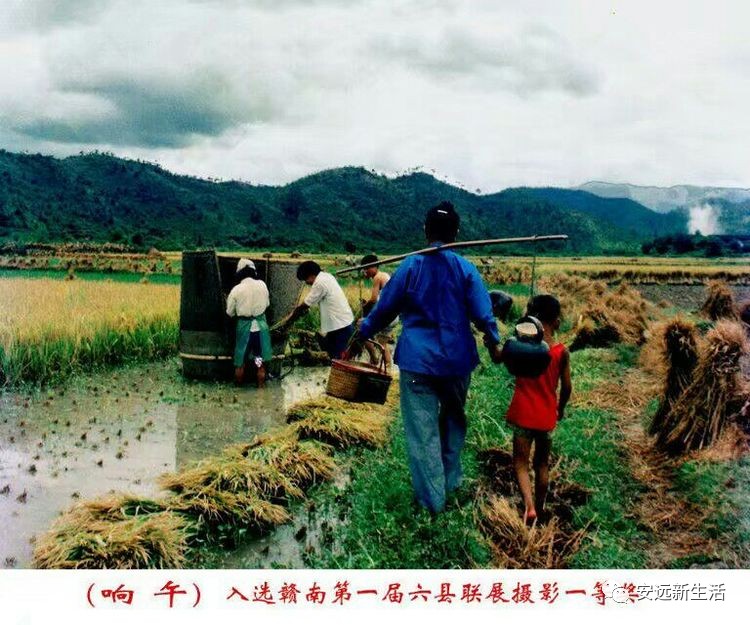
[100,435]
[51,329]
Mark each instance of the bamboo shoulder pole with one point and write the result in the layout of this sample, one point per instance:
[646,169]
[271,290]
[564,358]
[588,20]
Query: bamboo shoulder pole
[457,245]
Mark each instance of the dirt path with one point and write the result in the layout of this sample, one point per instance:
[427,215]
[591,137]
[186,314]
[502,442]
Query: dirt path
[676,524]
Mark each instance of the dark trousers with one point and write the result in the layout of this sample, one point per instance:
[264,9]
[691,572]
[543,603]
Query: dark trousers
[335,343]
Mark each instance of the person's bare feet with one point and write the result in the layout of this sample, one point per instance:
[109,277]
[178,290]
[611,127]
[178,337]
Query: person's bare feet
[261,376]
[529,516]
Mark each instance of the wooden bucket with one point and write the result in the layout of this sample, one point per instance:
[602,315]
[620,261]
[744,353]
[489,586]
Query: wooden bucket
[206,333]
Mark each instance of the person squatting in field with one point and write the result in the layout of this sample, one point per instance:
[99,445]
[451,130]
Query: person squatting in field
[248,302]
[535,409]
[437,296]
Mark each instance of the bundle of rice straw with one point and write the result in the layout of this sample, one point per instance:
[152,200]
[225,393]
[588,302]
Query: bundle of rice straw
[573,292]
[114,532]
[340,423]
[679,354]
[608,323]
[514,545]
[603,316]
[700,412]
[719,303]
[744,309]
[232,488]
[304,462]
[212,507]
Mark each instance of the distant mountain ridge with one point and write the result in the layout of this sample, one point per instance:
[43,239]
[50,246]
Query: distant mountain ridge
[99,197]
[665,199]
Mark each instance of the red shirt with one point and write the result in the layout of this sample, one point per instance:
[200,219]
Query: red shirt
[534,403]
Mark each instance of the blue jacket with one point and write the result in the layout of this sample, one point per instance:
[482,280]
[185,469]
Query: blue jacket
[437,296]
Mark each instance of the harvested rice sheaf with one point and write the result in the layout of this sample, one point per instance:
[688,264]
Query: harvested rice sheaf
[603,316]
[589,333]
[514,545]
[340,423]
[679,355]
[744,310]
[304,462]
[232,489]
[114,532]
[719,302]
[235,474]
[699,414]
[214,507]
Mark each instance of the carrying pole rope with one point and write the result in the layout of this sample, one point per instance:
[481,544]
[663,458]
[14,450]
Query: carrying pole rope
[361,299]
[533,270]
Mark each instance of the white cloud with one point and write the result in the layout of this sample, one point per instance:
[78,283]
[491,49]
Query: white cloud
[538,93]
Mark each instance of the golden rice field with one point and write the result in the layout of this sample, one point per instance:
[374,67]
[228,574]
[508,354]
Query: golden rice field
[50,329]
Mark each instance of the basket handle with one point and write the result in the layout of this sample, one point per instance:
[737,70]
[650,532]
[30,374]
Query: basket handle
[381,364]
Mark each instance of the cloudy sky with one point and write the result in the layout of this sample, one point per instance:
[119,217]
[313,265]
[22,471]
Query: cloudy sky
[489,93]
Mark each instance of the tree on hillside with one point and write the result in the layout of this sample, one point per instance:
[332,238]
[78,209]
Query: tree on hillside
[293,204]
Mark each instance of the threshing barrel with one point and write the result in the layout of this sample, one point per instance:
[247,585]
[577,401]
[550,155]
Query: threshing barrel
[206,333]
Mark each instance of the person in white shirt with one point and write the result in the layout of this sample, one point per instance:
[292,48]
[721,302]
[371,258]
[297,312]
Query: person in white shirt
[336,316]
[248,302]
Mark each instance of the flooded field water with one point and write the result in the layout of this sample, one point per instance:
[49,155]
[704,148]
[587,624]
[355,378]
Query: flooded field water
[687,296]
[119,431]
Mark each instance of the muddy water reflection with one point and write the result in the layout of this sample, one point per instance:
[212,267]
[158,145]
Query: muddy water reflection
[119,432]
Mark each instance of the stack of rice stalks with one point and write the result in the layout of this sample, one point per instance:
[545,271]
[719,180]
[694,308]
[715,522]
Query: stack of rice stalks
[250,485]
[719,302]
[231,489]
[508,274]
[679,358]
[698,415]
[115,532]
[744,310]
[305,462]
[602,317]
[573,291]
[340,423]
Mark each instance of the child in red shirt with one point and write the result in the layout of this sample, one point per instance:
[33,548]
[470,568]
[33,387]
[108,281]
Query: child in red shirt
[535,409]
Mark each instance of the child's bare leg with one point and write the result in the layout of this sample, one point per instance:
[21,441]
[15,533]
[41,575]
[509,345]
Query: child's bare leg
[521,453]
[541,471]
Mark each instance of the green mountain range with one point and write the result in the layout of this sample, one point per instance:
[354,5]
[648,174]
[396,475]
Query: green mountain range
[98,197]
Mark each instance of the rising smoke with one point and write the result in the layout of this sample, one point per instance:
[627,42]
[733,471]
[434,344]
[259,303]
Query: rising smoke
[704,218]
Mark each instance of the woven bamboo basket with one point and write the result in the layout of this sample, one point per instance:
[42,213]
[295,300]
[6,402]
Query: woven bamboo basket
[359,381]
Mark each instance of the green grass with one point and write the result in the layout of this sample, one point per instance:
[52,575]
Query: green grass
[383,529]
[53,360]
[724,488]
[115,276]
[591,439]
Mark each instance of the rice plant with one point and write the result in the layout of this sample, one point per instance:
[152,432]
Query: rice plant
[51,329]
